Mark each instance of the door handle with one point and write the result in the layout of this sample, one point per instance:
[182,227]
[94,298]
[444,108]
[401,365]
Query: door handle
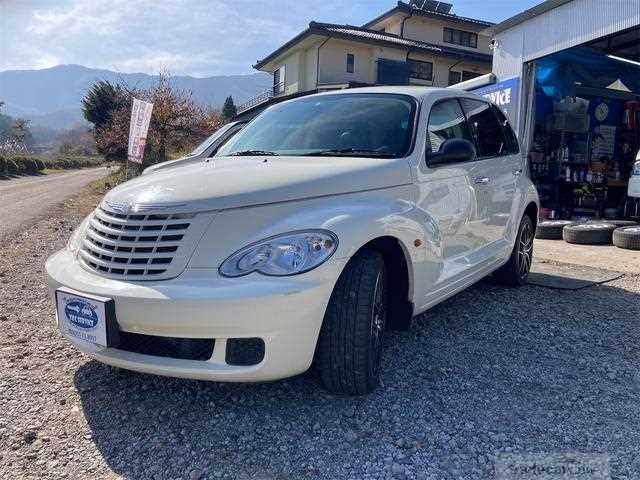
[517,172]
[481,180]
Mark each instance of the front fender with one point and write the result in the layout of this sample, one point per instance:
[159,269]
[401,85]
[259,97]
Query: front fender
[355,218]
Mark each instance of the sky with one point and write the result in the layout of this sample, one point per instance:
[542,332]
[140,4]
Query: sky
[185,37]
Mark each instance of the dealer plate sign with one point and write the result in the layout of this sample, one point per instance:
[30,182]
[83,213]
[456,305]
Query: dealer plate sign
[81,317]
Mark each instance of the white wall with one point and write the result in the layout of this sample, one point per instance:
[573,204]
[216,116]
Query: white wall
[563,27]
[333,62]
[431,30]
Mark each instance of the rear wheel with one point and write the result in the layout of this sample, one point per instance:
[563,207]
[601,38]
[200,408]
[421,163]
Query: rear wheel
[351,340]
[515,272]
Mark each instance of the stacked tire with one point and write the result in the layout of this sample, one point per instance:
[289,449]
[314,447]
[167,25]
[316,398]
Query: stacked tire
[622,233]
[627,237]
[551,229]
[599,233]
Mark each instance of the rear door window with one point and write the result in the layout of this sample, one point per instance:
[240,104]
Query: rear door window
[509,134]
[485,128]
[446,121]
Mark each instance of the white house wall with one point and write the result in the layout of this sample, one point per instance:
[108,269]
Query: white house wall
[566,26]
[432,31]
[333,62]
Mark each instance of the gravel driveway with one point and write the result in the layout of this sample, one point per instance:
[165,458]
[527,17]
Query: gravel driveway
[489,372]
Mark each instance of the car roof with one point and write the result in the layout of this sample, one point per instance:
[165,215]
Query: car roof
[418,92]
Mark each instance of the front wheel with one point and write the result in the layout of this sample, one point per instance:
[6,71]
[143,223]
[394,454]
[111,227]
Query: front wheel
[515,272]
[350,348]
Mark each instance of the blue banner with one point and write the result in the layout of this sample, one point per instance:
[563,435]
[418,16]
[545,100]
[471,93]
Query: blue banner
[505,95]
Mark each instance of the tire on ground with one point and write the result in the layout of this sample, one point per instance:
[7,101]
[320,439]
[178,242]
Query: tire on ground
[551,229]
[514,273]
[621,223]
[345,349]
[627,237]
[589,233]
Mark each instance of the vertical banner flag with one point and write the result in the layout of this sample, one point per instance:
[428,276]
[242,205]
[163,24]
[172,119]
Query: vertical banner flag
[140,118]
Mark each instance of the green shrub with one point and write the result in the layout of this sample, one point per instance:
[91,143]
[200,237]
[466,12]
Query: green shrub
[20,164]
[12,167]
[73,161]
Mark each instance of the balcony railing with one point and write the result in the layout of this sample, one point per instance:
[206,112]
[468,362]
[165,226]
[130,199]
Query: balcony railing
[263,97]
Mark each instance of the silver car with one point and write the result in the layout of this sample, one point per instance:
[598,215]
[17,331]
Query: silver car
[206,149]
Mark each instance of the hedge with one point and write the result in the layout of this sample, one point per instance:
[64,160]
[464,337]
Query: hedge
[24,165]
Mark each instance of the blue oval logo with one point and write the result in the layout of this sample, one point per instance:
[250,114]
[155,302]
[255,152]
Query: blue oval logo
[81,313]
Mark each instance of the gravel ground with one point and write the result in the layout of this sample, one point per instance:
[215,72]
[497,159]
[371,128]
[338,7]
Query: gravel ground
[491,371]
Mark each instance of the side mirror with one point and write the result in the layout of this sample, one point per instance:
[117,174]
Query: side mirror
[454,150]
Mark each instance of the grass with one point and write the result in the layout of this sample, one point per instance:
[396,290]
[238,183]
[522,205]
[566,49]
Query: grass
[51,171]
[12,165]
[106,183]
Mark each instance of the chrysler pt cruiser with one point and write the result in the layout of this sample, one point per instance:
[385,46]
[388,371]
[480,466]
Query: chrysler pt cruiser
[326,221]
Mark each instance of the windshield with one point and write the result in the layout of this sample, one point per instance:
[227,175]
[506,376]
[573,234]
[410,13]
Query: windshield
[199,150]
[357,124]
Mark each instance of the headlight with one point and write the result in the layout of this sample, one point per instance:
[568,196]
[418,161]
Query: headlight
[75,241]
[636,169]
[287,254]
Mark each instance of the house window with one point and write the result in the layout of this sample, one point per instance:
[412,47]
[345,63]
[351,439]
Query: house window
[351,62]
[454,77]
[278,80]
[420,70]
[467,75]
[457,77]
[460,37]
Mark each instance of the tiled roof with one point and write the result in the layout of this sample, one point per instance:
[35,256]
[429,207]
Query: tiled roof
[376,35]
[406,8]
[351,32]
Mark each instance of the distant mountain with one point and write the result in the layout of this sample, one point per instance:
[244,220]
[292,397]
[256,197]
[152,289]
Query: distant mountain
[51,97]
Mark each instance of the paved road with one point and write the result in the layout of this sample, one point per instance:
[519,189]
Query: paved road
[24,200]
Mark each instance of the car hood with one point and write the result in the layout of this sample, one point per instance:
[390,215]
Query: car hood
[232,182]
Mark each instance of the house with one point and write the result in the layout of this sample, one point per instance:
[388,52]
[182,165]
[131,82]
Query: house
[416,43]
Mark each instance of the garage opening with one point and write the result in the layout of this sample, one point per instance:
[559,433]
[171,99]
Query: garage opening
[585,133]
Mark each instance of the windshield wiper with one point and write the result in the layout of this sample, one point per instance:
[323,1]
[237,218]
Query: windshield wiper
[253,153]
[349,151]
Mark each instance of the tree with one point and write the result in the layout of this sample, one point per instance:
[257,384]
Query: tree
[20,132]
[177,123]
[229,110]
[101,101]
[77,140]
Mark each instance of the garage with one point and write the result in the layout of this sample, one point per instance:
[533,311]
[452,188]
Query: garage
[574,96]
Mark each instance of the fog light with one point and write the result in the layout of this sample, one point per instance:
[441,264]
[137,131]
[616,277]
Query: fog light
[244,351]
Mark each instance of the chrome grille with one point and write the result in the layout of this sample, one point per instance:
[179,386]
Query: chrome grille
[139,246]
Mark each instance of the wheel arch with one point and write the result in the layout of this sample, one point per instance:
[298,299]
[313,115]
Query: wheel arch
[531,211]
[399,269]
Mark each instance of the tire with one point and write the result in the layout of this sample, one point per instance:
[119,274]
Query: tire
[589,233]
[515,272]
[627,237]
[551,229]
[352,334]
[621,223]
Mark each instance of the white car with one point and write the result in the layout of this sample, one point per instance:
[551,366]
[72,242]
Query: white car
[325,221]
[634,181]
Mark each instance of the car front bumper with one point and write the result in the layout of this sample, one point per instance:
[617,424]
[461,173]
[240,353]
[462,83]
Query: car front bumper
[285,312]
